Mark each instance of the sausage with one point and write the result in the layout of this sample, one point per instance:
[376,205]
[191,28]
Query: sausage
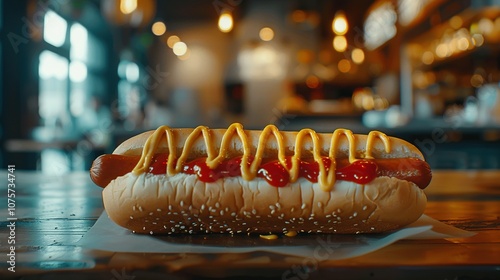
[108,167]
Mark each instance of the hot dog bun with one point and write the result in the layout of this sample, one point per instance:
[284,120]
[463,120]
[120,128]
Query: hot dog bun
[182,203]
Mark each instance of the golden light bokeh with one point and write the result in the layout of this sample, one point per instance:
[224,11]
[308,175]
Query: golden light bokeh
[266,34]
[358,56]
[428,57]
[456,22]
[344,65]
[128,6]
[340,43]
[339,24]
[185,56]
[180,48]
[172,40]
[478,40]
[312,82]
[226,22]
[158,28]
[299,16]
[442,50]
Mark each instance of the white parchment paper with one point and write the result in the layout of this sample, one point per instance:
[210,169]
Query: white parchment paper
[106,235]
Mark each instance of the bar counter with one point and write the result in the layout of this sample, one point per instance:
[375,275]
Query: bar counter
[52,213]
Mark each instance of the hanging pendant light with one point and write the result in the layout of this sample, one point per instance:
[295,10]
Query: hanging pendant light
[340,24]
[135,13]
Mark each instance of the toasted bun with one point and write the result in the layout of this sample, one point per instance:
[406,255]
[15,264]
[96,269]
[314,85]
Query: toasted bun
[400,148]
[158,204]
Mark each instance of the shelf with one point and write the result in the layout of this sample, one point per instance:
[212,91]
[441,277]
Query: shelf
[466,61]
[443,34]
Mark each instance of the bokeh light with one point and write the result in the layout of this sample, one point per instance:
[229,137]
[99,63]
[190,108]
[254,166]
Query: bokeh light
[172,40]
[158,28]
[266,34]
[180,48]
[358,56]
[344,65]
[340,43]
[226,22]
[339,24]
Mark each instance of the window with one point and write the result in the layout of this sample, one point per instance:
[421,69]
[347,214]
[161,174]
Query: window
[54,29]
[53,73]
[71,70]
[129,94]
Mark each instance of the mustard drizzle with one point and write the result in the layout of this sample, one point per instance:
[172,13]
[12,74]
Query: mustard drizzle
[371,138]
[248,172]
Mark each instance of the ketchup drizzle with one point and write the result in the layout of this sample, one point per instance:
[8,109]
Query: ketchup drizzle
[361,171]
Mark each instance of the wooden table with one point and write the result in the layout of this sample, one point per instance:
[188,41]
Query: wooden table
[54,212]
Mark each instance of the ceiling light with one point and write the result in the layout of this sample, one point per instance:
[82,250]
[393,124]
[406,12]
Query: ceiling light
[225,22]
[128,6]
[339,24]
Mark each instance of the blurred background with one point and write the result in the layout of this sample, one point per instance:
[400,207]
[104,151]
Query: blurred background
[77,77]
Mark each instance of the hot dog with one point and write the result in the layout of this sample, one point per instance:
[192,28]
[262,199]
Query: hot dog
[233,180]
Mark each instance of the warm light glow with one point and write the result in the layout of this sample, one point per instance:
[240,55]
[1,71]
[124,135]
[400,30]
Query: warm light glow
[442,50]
[339,24]
[299,16]
[476,80]
[486,26]
[159,28]
[305,56]
[452,45]
[172,40]
[312,81]
[340,43]
[186,55]
[380,103]
[128,6]
[428,58]
[266,34]
[463,44]
[478,39]
[368,103]
[456,22]
[180,48]
[362,98]
[225,22]
[380,25]
[409,10]
[358,56]
[474,28]
[344,65]
[262,63]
